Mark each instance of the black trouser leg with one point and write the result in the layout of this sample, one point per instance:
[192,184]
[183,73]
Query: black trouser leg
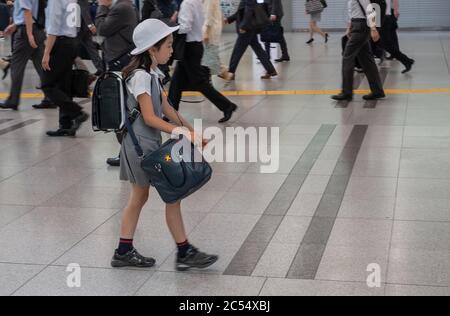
[283,44]
[199,76]
[268,49]
[358,48]
[179,82]
[389,40]
[262,55]
[20,57]
[242,43]
[57,82]
[190,73]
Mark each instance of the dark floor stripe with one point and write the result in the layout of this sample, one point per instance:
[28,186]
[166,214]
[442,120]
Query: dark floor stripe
[5,120]
[373,104]
[312,248]
[17,126]
[248,256]
[359,77]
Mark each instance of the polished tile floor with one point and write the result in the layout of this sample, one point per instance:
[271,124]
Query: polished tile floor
[360,185]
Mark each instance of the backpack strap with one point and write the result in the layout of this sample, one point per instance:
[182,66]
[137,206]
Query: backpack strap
[362,8]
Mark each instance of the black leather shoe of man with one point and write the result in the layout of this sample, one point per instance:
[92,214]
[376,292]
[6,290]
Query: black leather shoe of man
[44,105]
[5,106]
[228,114]
[132,259]
[342,97]
[195,259]
[283,59]
[80,119]
[62,132]
[409,67]
[113,162]
[374,96]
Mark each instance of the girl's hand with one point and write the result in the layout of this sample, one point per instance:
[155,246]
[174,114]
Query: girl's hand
[198,140]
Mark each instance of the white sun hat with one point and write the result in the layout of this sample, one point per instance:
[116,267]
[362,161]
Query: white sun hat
[150,32]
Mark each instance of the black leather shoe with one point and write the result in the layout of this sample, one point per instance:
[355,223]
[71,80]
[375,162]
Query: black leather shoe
[113,162]
[310,41]
[283,59]
[62,132]
[132,259]
[5,106]
[228,114]
[269,75]
[342,97]
[80,119]
[44,105]
[374,96]
[409,67]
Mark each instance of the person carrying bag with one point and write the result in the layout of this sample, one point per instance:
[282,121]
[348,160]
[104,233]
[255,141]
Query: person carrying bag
[153,40]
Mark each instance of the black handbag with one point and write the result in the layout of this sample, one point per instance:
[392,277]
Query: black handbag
[174,175]
[272,34]
[80,83]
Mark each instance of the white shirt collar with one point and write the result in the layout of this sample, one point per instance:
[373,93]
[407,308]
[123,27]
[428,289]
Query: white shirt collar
[158,73]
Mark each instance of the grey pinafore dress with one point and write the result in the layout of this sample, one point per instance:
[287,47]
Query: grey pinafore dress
[150,139]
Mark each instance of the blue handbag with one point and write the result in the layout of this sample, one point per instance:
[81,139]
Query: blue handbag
[175,178]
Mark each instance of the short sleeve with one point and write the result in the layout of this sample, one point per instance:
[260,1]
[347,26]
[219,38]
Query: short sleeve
[140,84]
[26,4]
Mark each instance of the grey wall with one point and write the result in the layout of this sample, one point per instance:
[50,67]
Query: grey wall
[420,14]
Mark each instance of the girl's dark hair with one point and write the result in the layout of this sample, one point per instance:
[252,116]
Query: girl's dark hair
[142,61]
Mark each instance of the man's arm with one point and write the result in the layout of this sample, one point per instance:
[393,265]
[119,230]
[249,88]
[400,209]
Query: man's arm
[51,39]
[86,15]
[186,17]
[396,5]
[29,27]
[27,7]
[277,9]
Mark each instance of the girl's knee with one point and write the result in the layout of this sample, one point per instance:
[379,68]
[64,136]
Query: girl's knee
[140,196]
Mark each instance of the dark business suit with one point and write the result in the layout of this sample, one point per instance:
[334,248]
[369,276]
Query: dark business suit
[389,40]
[276,9]
[22,53]
[85,35]
[117,24]
[243,18]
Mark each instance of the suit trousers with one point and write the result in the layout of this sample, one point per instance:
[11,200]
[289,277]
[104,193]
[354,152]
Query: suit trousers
[358,47]
[191,75]
[22,53]
[242,43]
[389,40]
[57,82]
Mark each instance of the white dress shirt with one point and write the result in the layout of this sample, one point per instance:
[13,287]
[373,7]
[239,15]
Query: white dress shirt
[356,11]
[192,19]
[63,18]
